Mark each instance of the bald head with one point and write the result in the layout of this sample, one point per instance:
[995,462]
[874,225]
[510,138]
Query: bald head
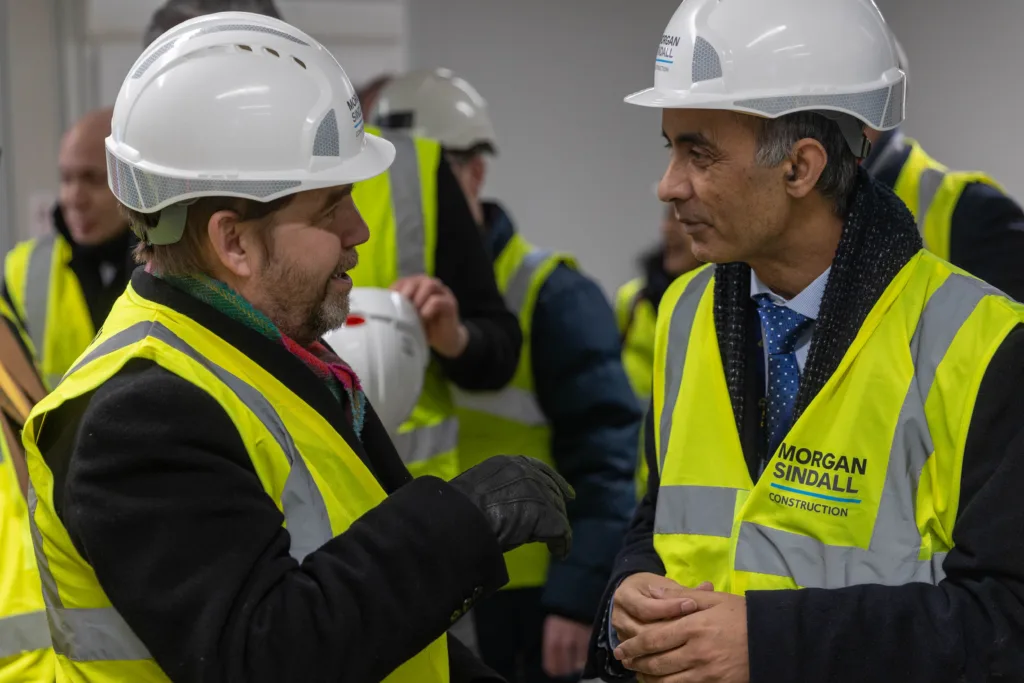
[89,208]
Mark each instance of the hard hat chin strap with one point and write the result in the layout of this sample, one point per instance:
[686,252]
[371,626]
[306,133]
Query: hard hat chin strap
[170,227]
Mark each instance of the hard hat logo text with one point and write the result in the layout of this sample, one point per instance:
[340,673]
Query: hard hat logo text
[666,51]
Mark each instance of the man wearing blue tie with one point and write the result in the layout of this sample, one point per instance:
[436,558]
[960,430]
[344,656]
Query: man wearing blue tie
[837,452]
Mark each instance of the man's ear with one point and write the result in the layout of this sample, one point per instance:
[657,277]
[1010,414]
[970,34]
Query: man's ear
[804,167]
[229,247]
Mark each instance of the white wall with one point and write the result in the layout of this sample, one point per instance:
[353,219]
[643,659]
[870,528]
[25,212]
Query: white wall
[32,112]
[577,165]
[966,94]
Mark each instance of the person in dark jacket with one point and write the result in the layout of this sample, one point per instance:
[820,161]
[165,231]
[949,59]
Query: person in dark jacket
[570,403]
[964,217]
[970,220]
[213,499]
[834,444]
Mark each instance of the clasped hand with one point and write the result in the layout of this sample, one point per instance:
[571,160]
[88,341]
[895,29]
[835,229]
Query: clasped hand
[673,634]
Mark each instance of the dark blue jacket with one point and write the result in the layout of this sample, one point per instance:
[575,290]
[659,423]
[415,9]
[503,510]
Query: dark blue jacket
[987,235]
[595,423]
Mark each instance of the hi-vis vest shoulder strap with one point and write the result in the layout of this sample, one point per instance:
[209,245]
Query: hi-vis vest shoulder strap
[931,192]
[400,207]
[636,317]
[511,420]
[49,300]
[25,653]
[305,467]
[865,486]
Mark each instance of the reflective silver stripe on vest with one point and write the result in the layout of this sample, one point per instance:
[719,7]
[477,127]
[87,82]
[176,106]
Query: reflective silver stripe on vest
[82,635]
[37,291]
[23,633]
[516,405]
[931,181]
[424,443]
[519,284]
[698,510]
[891,558]
[407,204]
[101,634]
[683,315]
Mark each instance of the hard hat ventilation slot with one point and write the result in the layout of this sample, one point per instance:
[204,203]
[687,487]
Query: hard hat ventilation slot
[894,114]
[706,63]
[272,51]
[249,28]
[244,47]
[299,62]
[163,49]
[327,142]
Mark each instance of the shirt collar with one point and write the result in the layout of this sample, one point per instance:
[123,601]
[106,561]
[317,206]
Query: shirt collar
[807,303]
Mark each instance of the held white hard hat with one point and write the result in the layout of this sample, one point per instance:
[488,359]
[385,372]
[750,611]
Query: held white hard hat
[769,59]
[383,341]
[241,105]
[436,104]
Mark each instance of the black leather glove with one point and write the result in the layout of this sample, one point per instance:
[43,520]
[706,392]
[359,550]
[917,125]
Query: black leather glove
[523,499]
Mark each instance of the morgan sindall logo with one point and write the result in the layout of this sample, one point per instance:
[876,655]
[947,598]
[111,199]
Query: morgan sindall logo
[667,51]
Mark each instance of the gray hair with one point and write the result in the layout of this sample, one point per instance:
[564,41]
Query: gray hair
[176,12]
[838,179]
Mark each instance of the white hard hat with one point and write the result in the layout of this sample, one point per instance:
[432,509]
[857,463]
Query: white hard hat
[383,341]
[436,104]
[241,105]
[769,59]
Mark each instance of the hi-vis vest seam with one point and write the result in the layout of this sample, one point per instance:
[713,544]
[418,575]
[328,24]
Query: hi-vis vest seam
[305,513]
[407,204]
[512,403]
[710,511]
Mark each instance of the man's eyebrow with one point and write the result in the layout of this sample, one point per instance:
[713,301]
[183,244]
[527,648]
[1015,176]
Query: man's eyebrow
[694,139]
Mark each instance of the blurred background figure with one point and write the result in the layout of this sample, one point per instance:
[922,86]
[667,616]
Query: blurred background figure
[370,92]
[964,217]
[636,309]
[174,12]
[61,286]
[636,302]
[569,404]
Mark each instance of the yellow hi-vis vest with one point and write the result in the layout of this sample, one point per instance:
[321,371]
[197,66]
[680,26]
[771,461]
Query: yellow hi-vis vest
[305,466]
[400,207]
[636,317]
[25,654]
[931,192]
[49,300]
[865,486]
[511,420]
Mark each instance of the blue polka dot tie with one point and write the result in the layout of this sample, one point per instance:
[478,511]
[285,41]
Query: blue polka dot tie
[782,328]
